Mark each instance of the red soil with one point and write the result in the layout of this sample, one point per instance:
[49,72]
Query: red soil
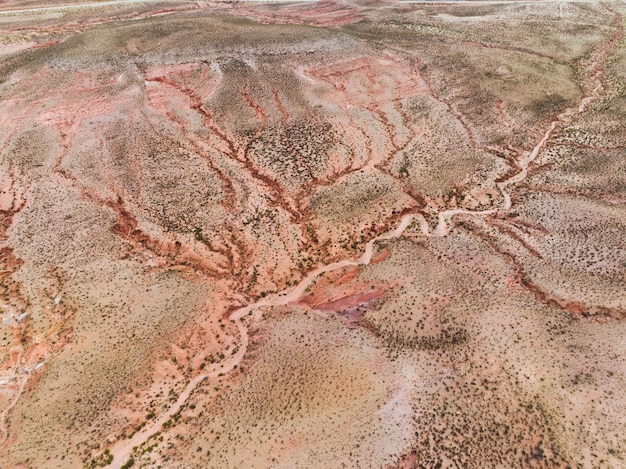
[325,13]
[350,301]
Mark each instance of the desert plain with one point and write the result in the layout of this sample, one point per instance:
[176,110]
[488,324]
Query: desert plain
[335,234]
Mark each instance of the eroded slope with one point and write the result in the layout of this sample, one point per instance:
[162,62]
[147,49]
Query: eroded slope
[189,195]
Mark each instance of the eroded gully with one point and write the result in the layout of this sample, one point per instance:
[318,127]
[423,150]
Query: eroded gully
[124,449]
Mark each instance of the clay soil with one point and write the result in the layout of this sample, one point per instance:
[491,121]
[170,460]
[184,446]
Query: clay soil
[315,234]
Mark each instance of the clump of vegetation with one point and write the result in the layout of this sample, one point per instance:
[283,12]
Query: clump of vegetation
[550,105]
[103,459]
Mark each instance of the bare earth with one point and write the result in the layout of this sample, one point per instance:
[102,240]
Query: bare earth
[313,234]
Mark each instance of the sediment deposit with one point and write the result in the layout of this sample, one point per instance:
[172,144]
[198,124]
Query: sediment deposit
[317,234]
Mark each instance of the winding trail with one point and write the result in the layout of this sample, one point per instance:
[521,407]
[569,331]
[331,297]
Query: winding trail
[124,449]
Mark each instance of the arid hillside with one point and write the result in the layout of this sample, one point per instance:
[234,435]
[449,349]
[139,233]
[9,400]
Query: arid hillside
[360,234]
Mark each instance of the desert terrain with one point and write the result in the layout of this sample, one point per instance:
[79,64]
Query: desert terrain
[334,234]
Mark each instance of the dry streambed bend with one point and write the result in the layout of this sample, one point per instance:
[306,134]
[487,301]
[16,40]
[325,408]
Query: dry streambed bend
[295,294]
[236,243]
